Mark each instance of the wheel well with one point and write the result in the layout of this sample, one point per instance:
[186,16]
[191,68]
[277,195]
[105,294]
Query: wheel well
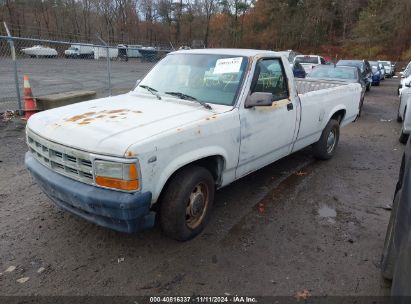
[339,115]
[214,164]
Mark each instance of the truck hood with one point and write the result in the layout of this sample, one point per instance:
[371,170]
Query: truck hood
[110,125]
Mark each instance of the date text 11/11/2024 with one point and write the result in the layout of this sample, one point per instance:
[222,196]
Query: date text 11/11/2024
[204,299]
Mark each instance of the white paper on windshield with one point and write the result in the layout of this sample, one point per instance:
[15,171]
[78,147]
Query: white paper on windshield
[228,65]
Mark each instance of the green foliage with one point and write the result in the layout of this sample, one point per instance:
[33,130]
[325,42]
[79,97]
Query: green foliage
[351,28]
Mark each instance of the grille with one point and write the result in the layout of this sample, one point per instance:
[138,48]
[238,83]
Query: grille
[70,162]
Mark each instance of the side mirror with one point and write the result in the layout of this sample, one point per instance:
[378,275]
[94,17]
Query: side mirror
[408,85]
[402,74]
[259,99]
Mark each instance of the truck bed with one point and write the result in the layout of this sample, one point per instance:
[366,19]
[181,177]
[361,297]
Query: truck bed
[308,85]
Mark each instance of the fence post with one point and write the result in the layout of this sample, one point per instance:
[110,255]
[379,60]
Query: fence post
[108,64]
[16,76]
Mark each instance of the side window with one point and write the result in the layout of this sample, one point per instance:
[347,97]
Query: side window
[271,79]
[322,60]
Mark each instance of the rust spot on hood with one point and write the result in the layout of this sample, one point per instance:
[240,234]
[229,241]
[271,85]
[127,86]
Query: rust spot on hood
[86,118]
[118,111]
[80,116]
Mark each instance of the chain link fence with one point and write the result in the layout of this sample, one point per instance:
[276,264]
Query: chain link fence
[59,66]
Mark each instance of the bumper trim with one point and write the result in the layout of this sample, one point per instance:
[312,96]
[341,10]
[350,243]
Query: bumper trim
[120,211]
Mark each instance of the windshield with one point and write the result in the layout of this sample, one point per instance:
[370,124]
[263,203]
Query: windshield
[209,78]
[307,59]
[334,73]
[73,48]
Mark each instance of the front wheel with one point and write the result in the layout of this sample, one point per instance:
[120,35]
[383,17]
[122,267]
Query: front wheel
[187,202]
[325,147]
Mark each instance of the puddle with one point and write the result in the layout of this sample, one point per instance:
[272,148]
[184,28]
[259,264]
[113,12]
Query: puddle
[327,213]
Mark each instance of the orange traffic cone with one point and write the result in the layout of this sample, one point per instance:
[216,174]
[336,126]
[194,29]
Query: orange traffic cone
[30,106]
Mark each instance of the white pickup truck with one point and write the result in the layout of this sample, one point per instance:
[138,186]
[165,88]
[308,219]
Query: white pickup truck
[309,62]
[198,121]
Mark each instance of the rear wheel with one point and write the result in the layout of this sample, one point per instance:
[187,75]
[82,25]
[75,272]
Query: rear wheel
[403,137]
[187,202]
[325,147]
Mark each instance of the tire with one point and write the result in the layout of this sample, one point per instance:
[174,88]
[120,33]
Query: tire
[180,219]
[399,119]
[388,254]
[403,137]
[324,149]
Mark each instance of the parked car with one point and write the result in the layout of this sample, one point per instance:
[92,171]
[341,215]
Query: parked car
[348,74]
[383,70]
[167,145]
[80,51]
[378,74]
[405,78]
[290,55]
[364,67]
[405,103]
[309,62]
[298,70]
[396,255]
[39,51]
[389,71]
[394,68]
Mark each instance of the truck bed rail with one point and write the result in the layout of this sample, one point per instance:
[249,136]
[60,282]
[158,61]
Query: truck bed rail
[308,85]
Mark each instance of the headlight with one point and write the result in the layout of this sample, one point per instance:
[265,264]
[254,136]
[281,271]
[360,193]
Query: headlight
[116,175]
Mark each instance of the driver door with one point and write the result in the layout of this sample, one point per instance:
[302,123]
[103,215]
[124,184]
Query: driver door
[267,132]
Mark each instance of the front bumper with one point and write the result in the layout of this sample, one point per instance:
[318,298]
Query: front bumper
[120,211]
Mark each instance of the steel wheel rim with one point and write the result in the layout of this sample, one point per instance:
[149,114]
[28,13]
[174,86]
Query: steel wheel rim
[197,205]
[332,136]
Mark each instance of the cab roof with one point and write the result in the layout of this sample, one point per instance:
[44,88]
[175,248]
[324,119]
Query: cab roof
[230,52]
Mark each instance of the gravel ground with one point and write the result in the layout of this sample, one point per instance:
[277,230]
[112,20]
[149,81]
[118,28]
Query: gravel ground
[55,75]
[296,224]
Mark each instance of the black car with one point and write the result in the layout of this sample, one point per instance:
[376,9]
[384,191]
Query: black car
[298,70]
[340,73]
[365,68]
[396,256]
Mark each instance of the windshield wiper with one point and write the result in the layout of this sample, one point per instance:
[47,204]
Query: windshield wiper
[151,90]
[188,97]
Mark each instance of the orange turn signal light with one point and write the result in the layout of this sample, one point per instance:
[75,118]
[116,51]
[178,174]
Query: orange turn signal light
[127,185]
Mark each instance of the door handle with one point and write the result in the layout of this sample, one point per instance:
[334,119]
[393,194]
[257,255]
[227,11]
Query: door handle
[290,106]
